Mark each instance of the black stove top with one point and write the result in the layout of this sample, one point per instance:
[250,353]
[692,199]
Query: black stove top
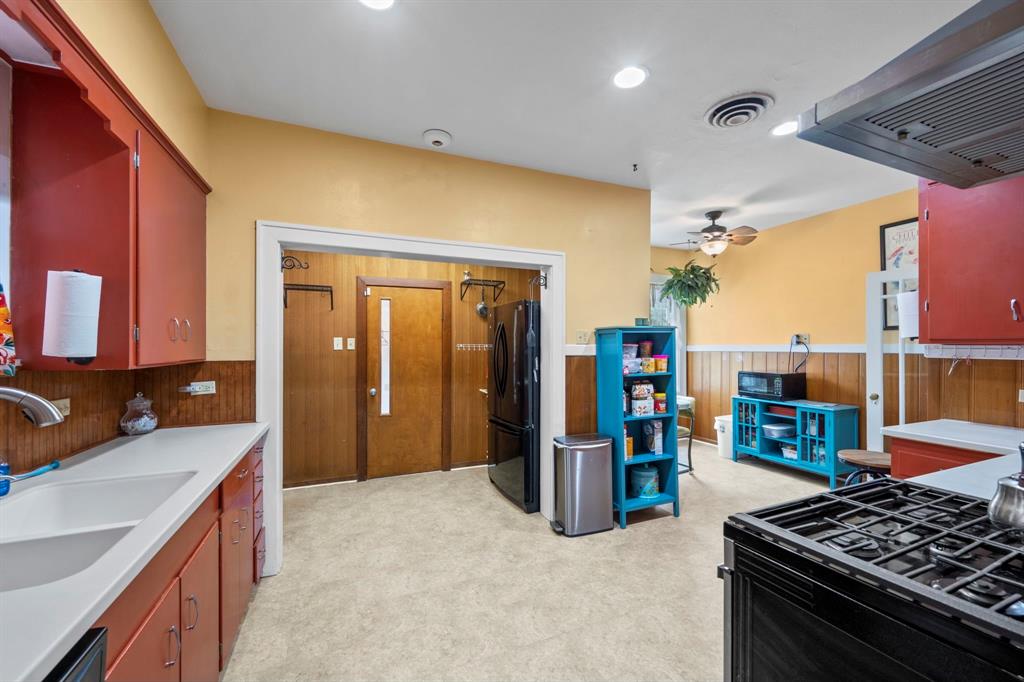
[914,536]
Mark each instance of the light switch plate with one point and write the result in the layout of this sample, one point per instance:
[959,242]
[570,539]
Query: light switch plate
[339,343]
[1020,396]
[64,405]
[203,387]
[351,343]
[582,336]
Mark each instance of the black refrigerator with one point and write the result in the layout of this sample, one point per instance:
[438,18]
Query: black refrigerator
[513,394]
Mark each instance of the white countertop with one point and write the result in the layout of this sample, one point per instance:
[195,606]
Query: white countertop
[977,479]
[999,440]
[39,624]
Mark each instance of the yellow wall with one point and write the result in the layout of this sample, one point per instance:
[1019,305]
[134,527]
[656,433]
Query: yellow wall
[805,276]
[129,37]
[262,170]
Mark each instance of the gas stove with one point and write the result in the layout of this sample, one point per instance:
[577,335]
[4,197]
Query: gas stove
[926,556]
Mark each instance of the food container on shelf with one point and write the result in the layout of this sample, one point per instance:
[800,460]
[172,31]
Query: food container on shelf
[643,407]
[660,403]
[643,481]
[631,366]
[647,365]
[629,351]
[642,389]
[779,430]
[654,437]
[627,441]
[646,348]
[660,363]
[789,452]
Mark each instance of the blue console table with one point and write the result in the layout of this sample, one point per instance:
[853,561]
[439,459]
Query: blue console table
[822,430]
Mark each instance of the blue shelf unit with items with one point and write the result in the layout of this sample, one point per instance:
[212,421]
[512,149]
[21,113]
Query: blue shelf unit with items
[615,417]
[819,432]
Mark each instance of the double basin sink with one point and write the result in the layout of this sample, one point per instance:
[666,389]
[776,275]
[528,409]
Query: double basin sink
[52,531]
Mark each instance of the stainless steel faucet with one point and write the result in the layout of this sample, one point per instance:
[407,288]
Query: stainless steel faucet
[37,409]
[41,412]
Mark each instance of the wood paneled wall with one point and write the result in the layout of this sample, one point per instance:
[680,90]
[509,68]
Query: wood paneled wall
[98,402]
[580,394]
[983,391]
[320,399]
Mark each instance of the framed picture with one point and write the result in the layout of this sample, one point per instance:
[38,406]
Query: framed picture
[898,246]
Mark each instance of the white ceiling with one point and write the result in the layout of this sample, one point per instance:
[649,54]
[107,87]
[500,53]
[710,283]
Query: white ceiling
[528,83]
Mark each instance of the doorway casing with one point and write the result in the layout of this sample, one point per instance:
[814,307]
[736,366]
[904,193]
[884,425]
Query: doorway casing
[272,238]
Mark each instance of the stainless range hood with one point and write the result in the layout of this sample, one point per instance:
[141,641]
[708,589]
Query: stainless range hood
[951,108]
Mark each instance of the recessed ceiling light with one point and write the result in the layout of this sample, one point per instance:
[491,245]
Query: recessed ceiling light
[787,128]
[378,4]
[630,77]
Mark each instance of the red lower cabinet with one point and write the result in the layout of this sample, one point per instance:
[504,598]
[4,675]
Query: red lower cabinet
[912,458]
[154,652]
[200,612]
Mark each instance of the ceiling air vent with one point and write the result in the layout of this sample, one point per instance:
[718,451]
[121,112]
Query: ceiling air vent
[738,110]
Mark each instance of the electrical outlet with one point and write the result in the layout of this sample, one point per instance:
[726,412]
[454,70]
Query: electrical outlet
[1020,396]
[339,343]
[351,343]
[203,387]
[800,338]
[64,405]
[582,336]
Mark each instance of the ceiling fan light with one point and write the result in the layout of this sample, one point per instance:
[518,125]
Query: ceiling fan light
[713,247]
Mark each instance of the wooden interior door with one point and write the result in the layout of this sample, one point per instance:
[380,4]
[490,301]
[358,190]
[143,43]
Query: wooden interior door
[200,612]
[404,376]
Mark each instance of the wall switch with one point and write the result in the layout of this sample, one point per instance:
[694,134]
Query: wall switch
[351,343]
[203,388]
[582,336]
[64,405]
[1020,396]
[339,343]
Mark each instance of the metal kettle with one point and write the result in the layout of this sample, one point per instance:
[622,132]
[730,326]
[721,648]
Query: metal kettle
[1006,509]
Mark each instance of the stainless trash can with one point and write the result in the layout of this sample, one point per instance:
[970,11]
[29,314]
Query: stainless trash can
[583,484]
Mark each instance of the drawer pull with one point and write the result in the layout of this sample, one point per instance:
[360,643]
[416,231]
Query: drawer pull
[1013,310]
[259,479]
[244,473]
[238,523]
[177,651]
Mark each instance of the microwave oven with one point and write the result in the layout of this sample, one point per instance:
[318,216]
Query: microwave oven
[773,385]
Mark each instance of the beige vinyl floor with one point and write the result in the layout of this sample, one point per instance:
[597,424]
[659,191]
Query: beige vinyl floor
[437,577]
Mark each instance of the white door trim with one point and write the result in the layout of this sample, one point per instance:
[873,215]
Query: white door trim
[273,237]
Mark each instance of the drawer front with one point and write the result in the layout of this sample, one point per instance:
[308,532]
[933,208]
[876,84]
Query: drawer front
[240,476]
[257,478]
[259,556]
[257,514]
[912,458]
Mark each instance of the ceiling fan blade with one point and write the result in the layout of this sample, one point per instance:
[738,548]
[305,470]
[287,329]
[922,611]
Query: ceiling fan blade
[741,231]
[741,240]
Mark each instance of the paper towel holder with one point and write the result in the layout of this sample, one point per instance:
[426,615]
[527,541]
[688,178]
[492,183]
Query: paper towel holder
[81,361]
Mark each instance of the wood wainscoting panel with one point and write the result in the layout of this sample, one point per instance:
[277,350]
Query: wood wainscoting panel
[98,402]
[580,394]
[320,383]
[981,391]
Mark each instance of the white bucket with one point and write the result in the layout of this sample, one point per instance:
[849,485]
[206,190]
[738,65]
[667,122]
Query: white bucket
[723,431]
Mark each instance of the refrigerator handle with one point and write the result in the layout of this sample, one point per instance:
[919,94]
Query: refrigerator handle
[515,358]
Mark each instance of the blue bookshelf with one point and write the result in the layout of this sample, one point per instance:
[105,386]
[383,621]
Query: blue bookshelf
[612,420]
[822,430]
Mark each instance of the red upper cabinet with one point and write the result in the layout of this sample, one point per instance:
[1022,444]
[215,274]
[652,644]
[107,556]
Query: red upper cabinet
[172,259]
[972,280]
[133,214]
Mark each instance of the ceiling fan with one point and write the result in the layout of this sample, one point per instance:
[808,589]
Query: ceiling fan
[716,238]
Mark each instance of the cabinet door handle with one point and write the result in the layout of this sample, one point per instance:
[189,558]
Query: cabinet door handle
[245,515]
[238,523]
[244,473]
[1013,310]
[177,649]
[186,326]
[173,331]
[193,601]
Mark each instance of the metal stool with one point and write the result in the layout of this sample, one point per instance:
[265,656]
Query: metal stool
[868,463]
[686,410]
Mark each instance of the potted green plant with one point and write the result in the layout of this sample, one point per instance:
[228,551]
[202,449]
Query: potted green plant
[690,285]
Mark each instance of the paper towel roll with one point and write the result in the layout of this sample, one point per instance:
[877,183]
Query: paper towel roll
[906,307]
[72,320]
